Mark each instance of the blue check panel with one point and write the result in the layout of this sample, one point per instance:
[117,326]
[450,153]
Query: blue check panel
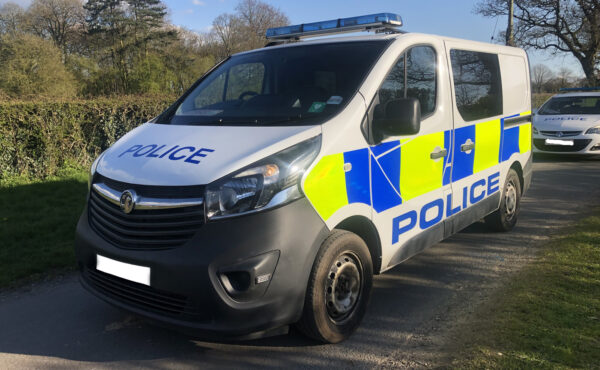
[463,162]
[510,142]
[385,196]
[357,180]
[447,178]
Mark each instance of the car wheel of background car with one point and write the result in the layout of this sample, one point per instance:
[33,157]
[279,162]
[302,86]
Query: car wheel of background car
[338,289]
[505,218]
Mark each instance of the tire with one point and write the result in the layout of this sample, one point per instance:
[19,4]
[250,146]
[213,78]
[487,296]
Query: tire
[505,218]
[343,265]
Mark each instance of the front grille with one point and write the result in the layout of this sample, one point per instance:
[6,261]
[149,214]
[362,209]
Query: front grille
[151,191]
[561,133]
[138,295]
[145,229]
[578,144]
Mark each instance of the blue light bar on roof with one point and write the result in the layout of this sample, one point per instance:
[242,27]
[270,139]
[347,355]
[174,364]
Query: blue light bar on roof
[361,23]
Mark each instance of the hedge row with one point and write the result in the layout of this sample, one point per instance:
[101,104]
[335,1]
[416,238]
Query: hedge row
[37,139]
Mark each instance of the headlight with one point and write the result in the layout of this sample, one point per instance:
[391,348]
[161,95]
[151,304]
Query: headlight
[268,183]
[593,130]
[93,170]
[535,130]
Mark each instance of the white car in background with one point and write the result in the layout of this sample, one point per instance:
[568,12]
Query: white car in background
[568,124]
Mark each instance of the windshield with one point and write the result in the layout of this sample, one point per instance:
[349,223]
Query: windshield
[297,85]
[572,105]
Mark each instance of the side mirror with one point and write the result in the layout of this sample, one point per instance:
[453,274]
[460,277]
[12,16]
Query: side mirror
[399,117]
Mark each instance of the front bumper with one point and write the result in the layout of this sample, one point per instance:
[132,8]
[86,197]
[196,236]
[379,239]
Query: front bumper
[187,290]
[582,144]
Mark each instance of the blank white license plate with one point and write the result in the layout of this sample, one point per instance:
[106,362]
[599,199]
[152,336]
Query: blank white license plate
[559,142]
[138,274]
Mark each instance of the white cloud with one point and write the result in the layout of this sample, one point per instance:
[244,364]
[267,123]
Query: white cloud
[198,2]
[189,11]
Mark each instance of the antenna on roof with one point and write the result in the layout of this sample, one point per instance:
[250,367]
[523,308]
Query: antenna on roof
[382,22]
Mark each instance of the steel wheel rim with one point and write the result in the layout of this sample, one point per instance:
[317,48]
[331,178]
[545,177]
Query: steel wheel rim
[510,196]
[343,287]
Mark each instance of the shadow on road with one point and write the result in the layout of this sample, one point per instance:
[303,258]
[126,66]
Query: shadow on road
[410,308]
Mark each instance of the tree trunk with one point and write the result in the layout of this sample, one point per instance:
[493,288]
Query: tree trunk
[588,64]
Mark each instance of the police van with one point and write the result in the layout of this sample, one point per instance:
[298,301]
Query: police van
[274,189]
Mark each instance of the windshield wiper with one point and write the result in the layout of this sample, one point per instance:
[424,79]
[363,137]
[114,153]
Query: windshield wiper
[289,119]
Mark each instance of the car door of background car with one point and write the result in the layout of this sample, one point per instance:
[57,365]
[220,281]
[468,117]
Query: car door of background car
[410,174]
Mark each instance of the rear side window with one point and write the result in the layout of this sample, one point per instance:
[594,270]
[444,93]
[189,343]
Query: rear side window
[477,84]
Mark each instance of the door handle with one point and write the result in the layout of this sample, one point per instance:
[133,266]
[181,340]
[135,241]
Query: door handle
[438,153]
[468,146]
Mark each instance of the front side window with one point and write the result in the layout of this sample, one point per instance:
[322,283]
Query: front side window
[294,85]
[414,76]
[571,105]
[477,84]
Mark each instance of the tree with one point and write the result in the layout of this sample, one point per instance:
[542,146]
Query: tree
[564,77]
[226,35]
[58,20]
[126,33]
[147,19]
[11,18]
[540,75]
[571,26]
[246,29]
[32,66]
[256,17]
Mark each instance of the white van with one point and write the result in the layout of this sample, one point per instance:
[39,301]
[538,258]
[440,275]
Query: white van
[280,182]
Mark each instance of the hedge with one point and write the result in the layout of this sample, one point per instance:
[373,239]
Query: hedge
[37,139]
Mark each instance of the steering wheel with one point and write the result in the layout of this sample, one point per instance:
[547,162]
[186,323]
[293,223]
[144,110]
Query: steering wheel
[247,93]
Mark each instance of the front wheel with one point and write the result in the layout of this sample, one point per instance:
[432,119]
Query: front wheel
[505,218]
[338,289]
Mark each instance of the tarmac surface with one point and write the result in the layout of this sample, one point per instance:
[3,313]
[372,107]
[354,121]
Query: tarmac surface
[414,308]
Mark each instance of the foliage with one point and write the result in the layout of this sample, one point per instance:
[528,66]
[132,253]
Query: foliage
[38,140]
[244,30]
[113,47]
[12,18]
[32,66]
[56,20]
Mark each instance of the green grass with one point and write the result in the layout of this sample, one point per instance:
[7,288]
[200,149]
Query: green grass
[549,315]
[37,224]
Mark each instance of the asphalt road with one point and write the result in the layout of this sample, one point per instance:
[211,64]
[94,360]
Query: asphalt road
[413,311]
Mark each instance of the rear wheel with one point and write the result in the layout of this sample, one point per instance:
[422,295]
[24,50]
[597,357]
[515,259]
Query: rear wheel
[339,288]
[505,218]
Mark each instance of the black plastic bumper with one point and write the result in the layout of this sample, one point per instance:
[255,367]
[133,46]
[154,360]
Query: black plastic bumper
[187,289]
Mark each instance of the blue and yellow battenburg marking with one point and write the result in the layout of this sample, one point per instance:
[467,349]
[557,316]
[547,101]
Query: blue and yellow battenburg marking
[403,170]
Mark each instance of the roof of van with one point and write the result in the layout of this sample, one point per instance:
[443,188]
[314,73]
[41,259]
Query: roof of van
[369,37]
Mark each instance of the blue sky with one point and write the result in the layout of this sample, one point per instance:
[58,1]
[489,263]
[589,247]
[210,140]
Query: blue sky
[453,18]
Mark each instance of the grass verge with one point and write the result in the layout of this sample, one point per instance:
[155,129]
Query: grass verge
[37,224]
[549,315]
